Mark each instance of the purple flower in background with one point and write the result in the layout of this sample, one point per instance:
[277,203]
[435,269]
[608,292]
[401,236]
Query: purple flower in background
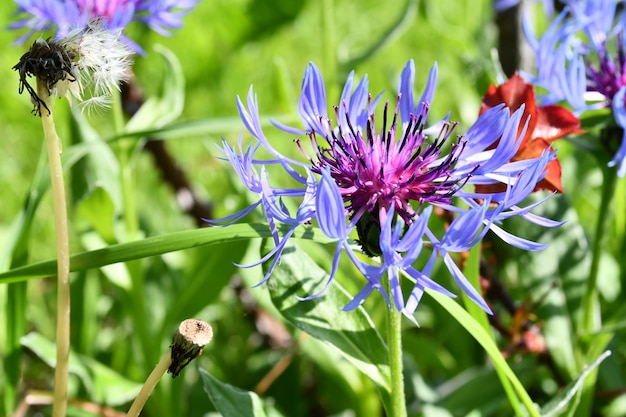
[575,63]
[65,16]
[382,180]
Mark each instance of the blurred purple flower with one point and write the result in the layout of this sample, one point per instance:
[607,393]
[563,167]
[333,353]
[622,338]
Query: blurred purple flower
[384,182]
[65,16]
[575,65]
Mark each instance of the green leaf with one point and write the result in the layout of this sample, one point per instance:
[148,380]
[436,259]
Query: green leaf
[353,333]
[459,394]
[199,128]
[567,398]
[98,209]
[101,162]
[104,385]
[231,401]
[344,383]
[15,252]
[211,270]
[116,273]
[14,249]
[434,411]
[597,119]
[478,332]
[153,246]
[399,26]
[471,271]
[168,105]
[553,280]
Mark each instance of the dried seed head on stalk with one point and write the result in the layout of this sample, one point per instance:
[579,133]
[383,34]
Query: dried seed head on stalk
[188,342]
[92,59]
[51,63]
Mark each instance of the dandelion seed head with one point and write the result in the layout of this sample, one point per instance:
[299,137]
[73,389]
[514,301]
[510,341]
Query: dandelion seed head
[92,60]
[104,60]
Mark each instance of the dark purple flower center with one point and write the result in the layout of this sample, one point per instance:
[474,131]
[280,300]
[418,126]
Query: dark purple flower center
[377,169]
[609,75]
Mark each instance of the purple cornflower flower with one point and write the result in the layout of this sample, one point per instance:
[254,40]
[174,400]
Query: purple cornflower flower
[384,182]
[574,62]
[65,16]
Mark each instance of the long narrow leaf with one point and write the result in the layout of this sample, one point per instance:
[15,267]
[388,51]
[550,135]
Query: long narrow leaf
[15,253]
[481,336]
[561,403]
[153,246]
[471,271]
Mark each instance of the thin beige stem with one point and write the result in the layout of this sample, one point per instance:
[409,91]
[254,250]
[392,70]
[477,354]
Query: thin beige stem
[149,385]
[53,144]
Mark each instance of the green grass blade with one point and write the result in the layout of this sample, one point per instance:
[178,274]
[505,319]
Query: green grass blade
[478,332]
[14,254]
[471,272]
[153,246]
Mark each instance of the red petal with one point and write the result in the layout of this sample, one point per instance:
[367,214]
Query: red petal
[513,93]
[555,122]
[552,180]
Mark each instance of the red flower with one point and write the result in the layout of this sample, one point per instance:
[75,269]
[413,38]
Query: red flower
[546,124]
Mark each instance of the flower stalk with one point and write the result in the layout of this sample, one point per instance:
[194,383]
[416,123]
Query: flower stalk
[187,344]
[53,144]
[124,150]
[93,58]
[589,320]
[148,386]
[394,341]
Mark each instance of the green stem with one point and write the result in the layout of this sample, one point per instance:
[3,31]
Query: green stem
[394,340]
[16,308]
[53,144]
[148,386]
[589,321]
[124,153]
[125,150]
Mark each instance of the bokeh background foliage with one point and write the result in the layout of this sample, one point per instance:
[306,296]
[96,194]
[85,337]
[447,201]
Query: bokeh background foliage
[119,331]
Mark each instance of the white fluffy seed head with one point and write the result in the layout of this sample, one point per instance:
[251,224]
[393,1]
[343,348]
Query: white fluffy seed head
[71,84]
[103,62]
